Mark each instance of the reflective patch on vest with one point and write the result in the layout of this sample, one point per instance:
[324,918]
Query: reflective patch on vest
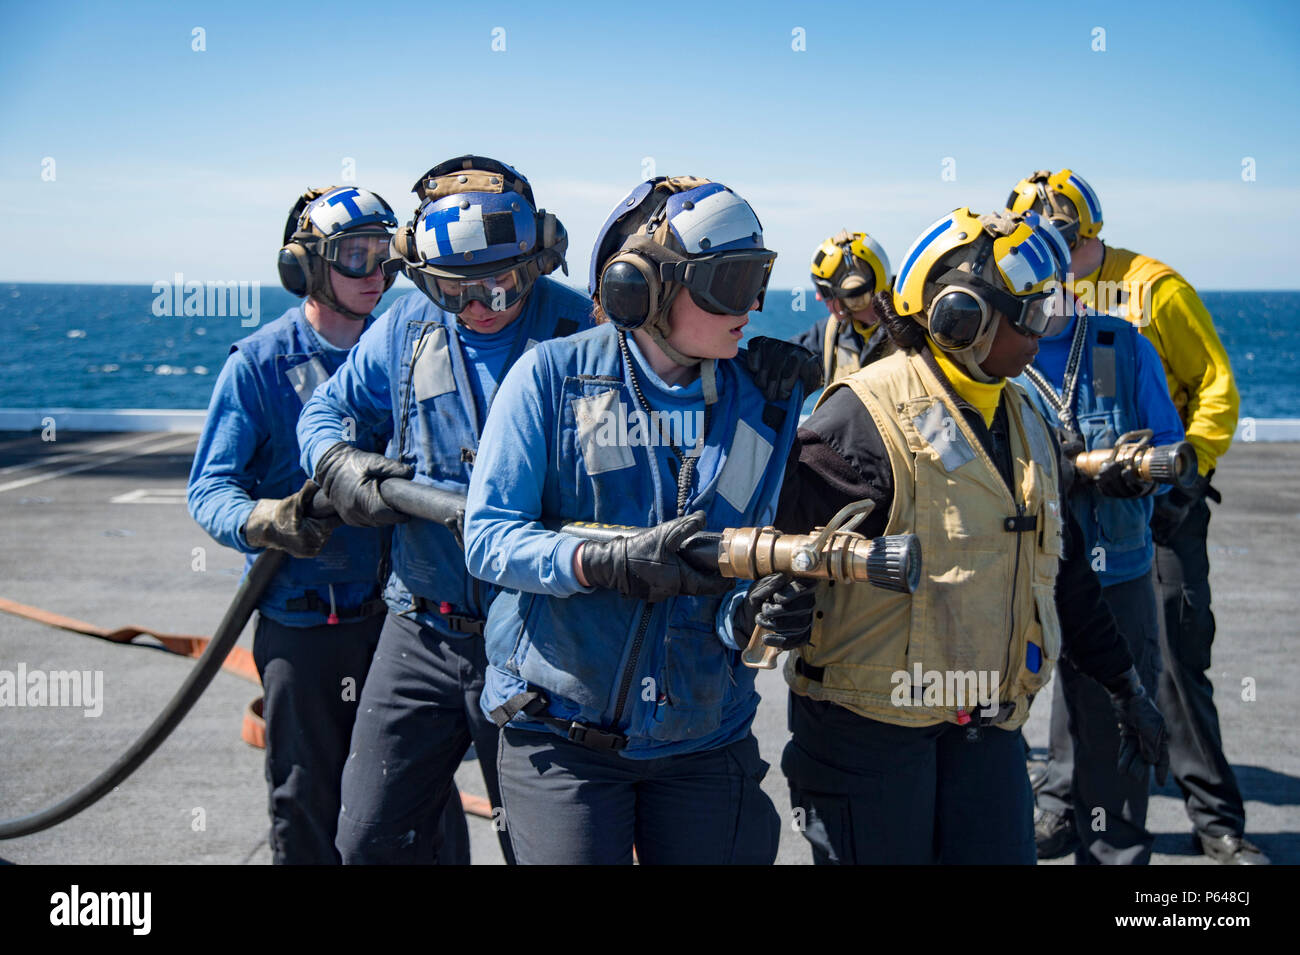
[306,377]
[598,433]
[746,461]
[943,434]
[1103,372]
[531,344]
[1040,445]
[431,373]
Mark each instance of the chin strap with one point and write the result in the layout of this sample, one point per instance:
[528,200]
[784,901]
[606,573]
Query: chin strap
[708,375]
[323,291]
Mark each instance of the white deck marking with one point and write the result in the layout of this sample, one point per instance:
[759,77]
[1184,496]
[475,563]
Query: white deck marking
[173,442]
[151,495]
[81,452]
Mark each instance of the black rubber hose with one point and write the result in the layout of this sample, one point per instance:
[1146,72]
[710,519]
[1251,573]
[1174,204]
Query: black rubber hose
[232,625]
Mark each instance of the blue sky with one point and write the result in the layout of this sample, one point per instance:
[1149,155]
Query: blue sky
[167,159]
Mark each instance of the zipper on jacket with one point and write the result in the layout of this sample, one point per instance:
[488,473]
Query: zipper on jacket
[630,670]
[1015,578]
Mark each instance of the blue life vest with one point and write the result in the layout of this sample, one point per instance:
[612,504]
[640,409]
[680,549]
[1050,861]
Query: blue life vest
[1106,406]
[436,429]
[289,361]
[656,673]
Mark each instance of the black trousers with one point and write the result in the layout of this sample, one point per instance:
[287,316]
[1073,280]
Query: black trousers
[1186,697]
[1110,808]
[570,805]
[312,678]
[417,717]
[871,793]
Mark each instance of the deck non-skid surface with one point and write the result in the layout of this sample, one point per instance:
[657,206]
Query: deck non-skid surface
[94,526]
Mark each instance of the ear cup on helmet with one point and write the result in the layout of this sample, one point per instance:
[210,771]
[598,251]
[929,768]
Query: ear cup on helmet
[295,269]
[403,243]
[957,320]
[554,243]
[629,291]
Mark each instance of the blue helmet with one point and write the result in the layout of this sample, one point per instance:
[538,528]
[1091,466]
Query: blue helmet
[478,225]
[342,228]
[682,232]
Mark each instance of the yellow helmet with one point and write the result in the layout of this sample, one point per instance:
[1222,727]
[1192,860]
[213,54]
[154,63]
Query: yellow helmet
[850,266]
[965,269]
[1065,198]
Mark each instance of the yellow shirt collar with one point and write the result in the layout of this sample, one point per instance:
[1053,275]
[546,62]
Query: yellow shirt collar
[982,396]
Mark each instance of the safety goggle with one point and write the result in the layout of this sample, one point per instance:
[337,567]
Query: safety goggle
[498,291]
[726,283]
[962,313]
[355,254]
[855,299]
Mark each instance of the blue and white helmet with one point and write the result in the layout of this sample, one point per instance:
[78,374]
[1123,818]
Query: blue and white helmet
[344,208]
[478,235]
[704,217]
[342,228]
[476,215]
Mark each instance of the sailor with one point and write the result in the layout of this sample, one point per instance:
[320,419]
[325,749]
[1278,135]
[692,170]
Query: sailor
[319,620]
[614,667]
[1095,378]
[1170,314]
[847,269]
[480,252]
[904,707]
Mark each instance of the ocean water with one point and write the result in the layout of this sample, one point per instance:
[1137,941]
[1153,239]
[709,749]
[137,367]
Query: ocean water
[105,346]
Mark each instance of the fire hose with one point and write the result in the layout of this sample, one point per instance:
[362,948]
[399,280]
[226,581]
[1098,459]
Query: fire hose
[834,552]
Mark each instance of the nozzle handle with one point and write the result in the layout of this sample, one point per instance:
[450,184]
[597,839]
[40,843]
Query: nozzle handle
[758,655]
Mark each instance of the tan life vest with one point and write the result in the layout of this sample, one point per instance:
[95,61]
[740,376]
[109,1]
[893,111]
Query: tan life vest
[987,591]
[840,361]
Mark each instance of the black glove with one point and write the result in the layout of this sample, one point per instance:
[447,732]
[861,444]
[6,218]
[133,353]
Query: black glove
[781,604]
[1172,509]
[647,565]
[283,523]
[1143,739]
[1116,480]
[350,478]
[1071,447]
[777,365]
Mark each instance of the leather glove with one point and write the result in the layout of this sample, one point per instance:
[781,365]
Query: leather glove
[283,523]
[777,365]
[1071,447]
[1143,739]
[1172,509]
[1116,480]
[647,565]
[781,604]
[350,478]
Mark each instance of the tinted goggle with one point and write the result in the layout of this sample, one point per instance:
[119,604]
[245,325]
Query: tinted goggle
[962,313]
[498,291]
[1068,227]
[726,283]
[855,298]
[355,254]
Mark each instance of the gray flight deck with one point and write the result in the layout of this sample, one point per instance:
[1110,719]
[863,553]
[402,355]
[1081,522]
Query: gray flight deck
[93,526]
